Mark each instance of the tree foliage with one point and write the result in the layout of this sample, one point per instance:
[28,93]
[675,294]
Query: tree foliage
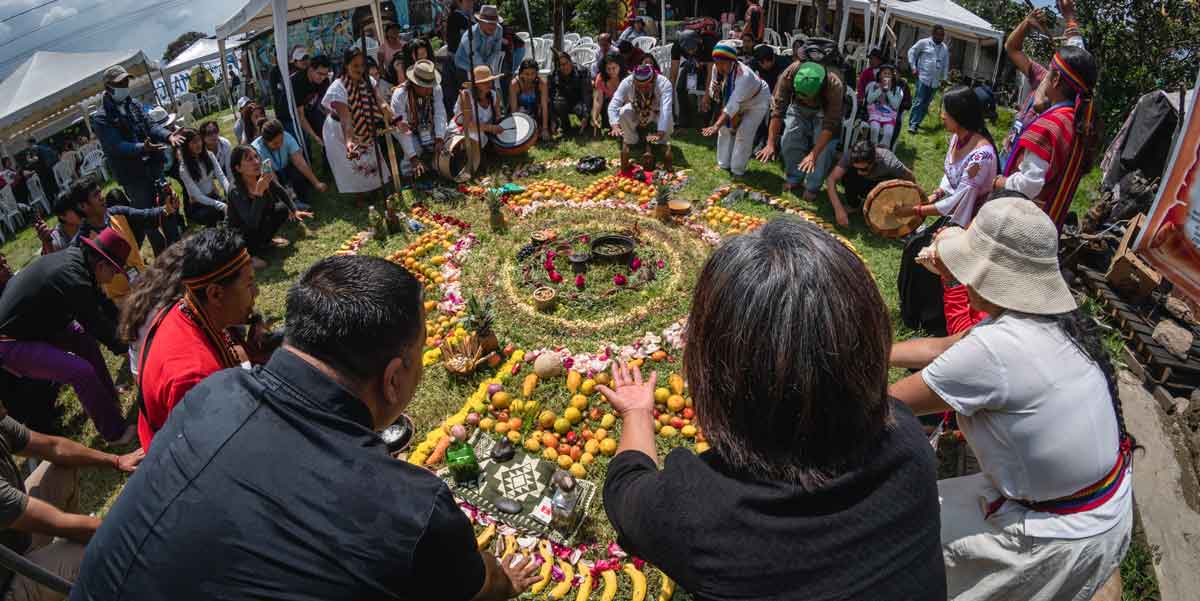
[180,44]
[1140,46]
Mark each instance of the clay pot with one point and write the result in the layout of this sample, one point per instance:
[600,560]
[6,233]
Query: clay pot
[579,261]
[544,298]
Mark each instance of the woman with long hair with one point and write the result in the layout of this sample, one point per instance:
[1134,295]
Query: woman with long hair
[356,118]
[1051,514]
[248,118]
[610,75]
[970,165]
[529,95]
[158,287]
[200,172]
[815,481]
[258,204]
[210,131]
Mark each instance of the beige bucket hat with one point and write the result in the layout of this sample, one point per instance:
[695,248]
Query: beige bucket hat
[1009,256]
[424,74]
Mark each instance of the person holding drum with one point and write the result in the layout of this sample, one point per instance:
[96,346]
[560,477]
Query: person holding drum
[641,110]
[860,170]
[746,100]
[420,115]
[530,95]
[477,113]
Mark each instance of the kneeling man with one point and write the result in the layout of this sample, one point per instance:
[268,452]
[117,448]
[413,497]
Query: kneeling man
[640,110]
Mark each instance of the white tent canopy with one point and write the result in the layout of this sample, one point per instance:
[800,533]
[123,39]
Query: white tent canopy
[957,20]
[257,16]
[50,82]
[202,51]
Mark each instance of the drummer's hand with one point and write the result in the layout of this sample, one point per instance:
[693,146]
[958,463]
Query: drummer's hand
[708,131]
[936,196]
[839,215]
[493,129]
[438,146]
[616,131]
[418,167]
[767,154]
[902,211]
[654,138]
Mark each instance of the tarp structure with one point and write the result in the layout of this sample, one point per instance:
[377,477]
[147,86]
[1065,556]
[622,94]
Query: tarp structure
[50,83]
[262,15]
[958,21]
[202,51]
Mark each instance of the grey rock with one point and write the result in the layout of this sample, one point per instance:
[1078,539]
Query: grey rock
[1179,310]
[507,505]
[1176,339]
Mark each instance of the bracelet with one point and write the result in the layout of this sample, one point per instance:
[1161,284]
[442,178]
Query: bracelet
[116,461]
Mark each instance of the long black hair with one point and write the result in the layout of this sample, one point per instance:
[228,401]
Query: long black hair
[410,51]
[964,106]
[196,168]
[348,56]
[1083,64]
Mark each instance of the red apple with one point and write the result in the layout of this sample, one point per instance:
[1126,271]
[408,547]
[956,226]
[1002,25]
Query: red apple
[689,413]
[677,422]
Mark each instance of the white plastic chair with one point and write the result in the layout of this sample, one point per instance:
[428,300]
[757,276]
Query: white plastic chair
[549,37]
[571,37]
[788,37]
[646,43]
[36,194]
[93,163]
[524,35]
[184,112]
[584,57]
[569,45]
[849,133]
[586,41]
[770,36]
[64,174]
[662,55]
[89,148]
[10,213]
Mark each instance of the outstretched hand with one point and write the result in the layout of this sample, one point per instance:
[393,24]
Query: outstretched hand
[629,392]
[521,571]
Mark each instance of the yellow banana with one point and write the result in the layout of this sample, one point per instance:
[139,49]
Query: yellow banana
[510,545]
[548,561]
[610,585]
[485,537]
[668,588]
[585,587]
[561,589]
[639,582]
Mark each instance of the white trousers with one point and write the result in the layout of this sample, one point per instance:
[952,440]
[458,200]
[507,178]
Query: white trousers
[629,126]
[735,146]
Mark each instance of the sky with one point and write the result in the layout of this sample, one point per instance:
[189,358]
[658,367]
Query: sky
[97,25]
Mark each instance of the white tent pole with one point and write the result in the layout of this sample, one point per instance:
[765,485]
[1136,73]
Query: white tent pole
[662,23]
[167,84]
[224,71]
[378,16]
[279,10]
[845,27]
[529,22]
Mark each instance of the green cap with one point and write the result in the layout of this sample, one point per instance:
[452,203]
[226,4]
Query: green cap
[808,80]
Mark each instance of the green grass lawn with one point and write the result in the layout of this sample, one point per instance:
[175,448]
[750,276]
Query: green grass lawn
[337,219]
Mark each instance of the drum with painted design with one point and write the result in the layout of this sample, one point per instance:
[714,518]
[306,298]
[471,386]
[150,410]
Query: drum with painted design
[519,135]
[879,209]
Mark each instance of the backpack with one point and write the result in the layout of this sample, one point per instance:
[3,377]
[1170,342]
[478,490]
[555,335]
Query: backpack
[920,289]
[825,51]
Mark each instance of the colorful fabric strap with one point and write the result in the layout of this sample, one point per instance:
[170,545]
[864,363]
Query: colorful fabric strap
[1086,499]
[364,110]
[1069,183]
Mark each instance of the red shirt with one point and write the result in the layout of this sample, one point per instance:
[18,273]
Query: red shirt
[178,358]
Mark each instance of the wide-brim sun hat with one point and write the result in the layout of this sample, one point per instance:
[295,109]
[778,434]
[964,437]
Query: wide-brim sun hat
[424,74]
[488,13]
[483,74]
[1009,256]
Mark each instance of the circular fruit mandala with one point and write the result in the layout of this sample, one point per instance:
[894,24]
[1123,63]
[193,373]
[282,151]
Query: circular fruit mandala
[531,314]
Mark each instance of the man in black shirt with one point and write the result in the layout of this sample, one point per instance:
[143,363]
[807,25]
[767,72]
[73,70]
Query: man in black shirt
[690,67]
[51,315]
[298,63]
[275,484]
[308,87]
[769,68]
[570,93]
[461,19]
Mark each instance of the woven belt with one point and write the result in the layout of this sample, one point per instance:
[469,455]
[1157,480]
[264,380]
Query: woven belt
[1087,498]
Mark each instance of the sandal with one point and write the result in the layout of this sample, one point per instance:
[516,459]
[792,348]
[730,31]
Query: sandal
[280,242]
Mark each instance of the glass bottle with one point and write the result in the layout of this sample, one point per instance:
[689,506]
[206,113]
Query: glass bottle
[564,505]
[462,461]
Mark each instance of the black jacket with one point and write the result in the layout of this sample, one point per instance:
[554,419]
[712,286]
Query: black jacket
[42,300]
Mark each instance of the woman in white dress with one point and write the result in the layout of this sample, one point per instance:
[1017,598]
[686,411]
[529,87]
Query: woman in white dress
[482,101]
[356,119]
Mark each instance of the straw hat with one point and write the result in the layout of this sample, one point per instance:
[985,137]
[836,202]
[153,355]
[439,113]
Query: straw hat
[483,74]
[1009,256]
[488,13]
[424,74]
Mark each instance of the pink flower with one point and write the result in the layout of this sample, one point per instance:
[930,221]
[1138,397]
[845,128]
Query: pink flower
[661,263]
[619,280]
[579,281]
[549,265]
[550,255]
[555,277]
[635,264]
